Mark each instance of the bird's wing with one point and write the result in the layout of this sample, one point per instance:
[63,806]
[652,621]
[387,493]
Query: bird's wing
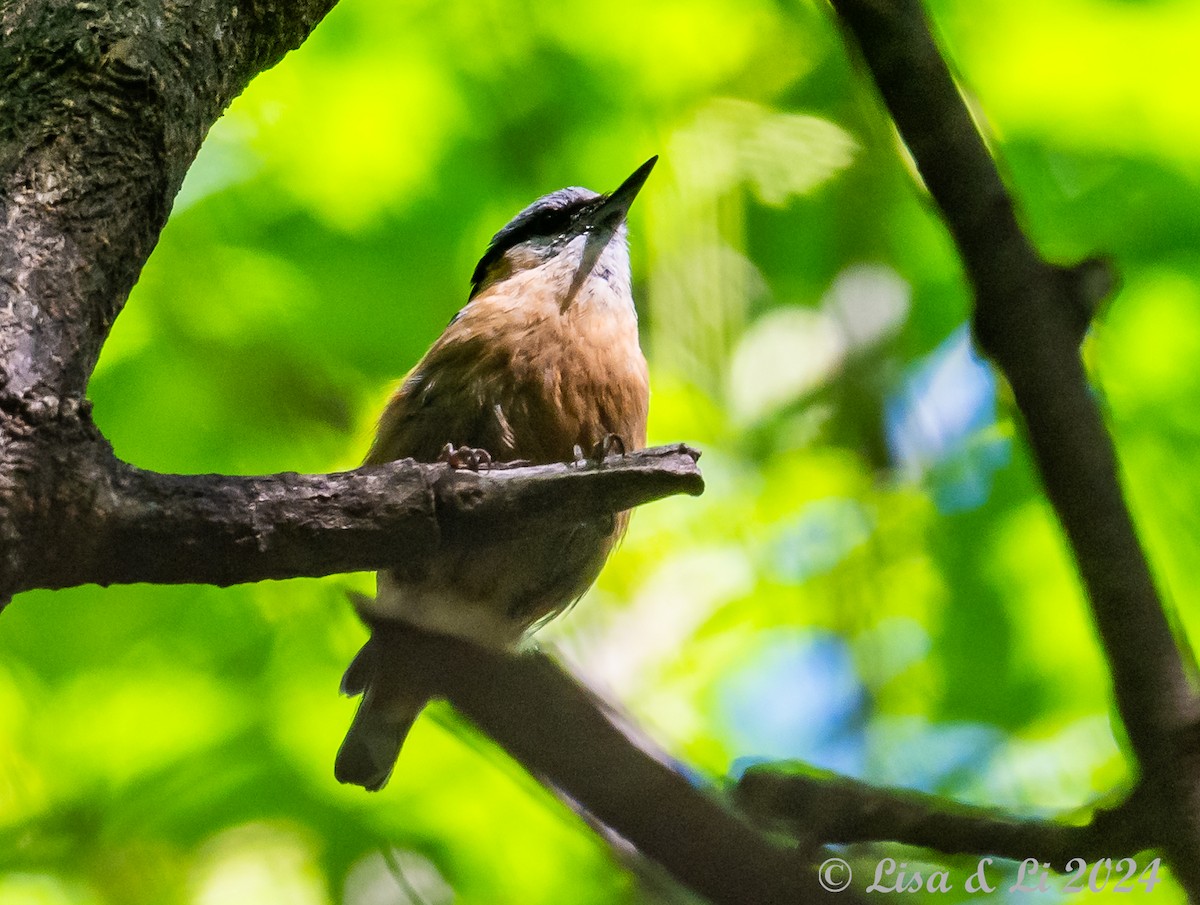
[447,398]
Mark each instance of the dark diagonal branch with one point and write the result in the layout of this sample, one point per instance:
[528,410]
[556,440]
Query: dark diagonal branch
[563,734]
[1030,317]
[837,809]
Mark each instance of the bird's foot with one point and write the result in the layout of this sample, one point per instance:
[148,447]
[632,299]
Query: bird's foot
[608,445]
[466,457]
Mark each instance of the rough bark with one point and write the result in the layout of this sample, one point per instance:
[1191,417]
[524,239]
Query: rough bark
[103,107]
[108,522]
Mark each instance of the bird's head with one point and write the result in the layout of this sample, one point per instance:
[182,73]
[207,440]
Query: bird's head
[572,231]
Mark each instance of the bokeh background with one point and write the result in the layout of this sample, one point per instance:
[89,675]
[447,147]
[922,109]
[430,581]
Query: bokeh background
[872,582]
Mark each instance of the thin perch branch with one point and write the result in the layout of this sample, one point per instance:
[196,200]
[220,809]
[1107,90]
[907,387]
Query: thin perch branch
[220,529]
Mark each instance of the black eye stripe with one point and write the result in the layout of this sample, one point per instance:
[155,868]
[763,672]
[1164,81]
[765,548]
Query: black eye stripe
[547,222]
[549,216]
[543,223]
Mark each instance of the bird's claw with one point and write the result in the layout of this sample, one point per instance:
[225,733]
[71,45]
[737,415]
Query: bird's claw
[466,457]
[608,445]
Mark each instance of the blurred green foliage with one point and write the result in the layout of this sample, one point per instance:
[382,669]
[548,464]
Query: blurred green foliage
[872,582]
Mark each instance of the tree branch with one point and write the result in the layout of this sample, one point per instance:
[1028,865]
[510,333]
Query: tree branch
[102,111]
[839,810]
[1030,317]
[568,738]
[219,529]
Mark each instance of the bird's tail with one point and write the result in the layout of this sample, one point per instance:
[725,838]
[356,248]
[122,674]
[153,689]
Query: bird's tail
[385,715]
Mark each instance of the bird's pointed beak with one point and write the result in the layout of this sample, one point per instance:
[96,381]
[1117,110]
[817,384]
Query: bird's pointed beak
[614,208]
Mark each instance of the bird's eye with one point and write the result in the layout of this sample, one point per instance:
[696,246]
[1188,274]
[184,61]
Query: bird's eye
[552,222]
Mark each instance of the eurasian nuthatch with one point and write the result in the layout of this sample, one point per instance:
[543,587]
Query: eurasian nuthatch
[542,362]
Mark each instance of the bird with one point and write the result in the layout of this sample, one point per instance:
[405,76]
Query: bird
[542,364]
